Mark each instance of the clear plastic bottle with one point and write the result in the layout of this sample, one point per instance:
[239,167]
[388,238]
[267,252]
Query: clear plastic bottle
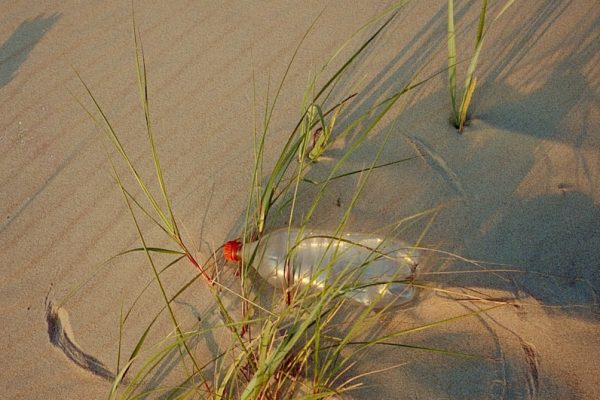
[368,269]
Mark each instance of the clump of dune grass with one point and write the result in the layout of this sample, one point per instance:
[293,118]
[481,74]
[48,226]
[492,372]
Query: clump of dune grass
[298,344]
[460,109]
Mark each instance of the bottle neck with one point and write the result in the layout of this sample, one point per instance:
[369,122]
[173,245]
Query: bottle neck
[234,250]
[246,251]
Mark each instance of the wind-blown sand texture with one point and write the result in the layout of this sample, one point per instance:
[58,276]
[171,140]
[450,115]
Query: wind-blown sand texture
[522,183]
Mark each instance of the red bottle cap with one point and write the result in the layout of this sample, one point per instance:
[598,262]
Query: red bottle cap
[231,250]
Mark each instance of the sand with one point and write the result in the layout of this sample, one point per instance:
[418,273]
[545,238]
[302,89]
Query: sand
[521,184]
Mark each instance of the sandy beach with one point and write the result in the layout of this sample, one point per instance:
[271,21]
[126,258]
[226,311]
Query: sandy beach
[518,190]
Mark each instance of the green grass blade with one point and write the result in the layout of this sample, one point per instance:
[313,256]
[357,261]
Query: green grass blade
[155,271]
[154,361]
[121,150]
[393,10]
[432,325]
[120,344]
[424,348]
[452,62]
[118,380]
[283,162]
[293,143]
[141,73]
[503,10]
[102,266]
[153,250]
[147,286]
[464,107]
[358,171]
[470,80]
[481,24]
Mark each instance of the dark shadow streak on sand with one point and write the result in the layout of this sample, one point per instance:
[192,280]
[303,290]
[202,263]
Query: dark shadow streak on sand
[13,53]
[61,337]
[15,50]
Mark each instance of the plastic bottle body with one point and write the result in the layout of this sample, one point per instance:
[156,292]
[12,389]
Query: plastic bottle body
[367,268]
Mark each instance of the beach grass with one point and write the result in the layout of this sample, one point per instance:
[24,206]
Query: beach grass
[460,109]
[280,345]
